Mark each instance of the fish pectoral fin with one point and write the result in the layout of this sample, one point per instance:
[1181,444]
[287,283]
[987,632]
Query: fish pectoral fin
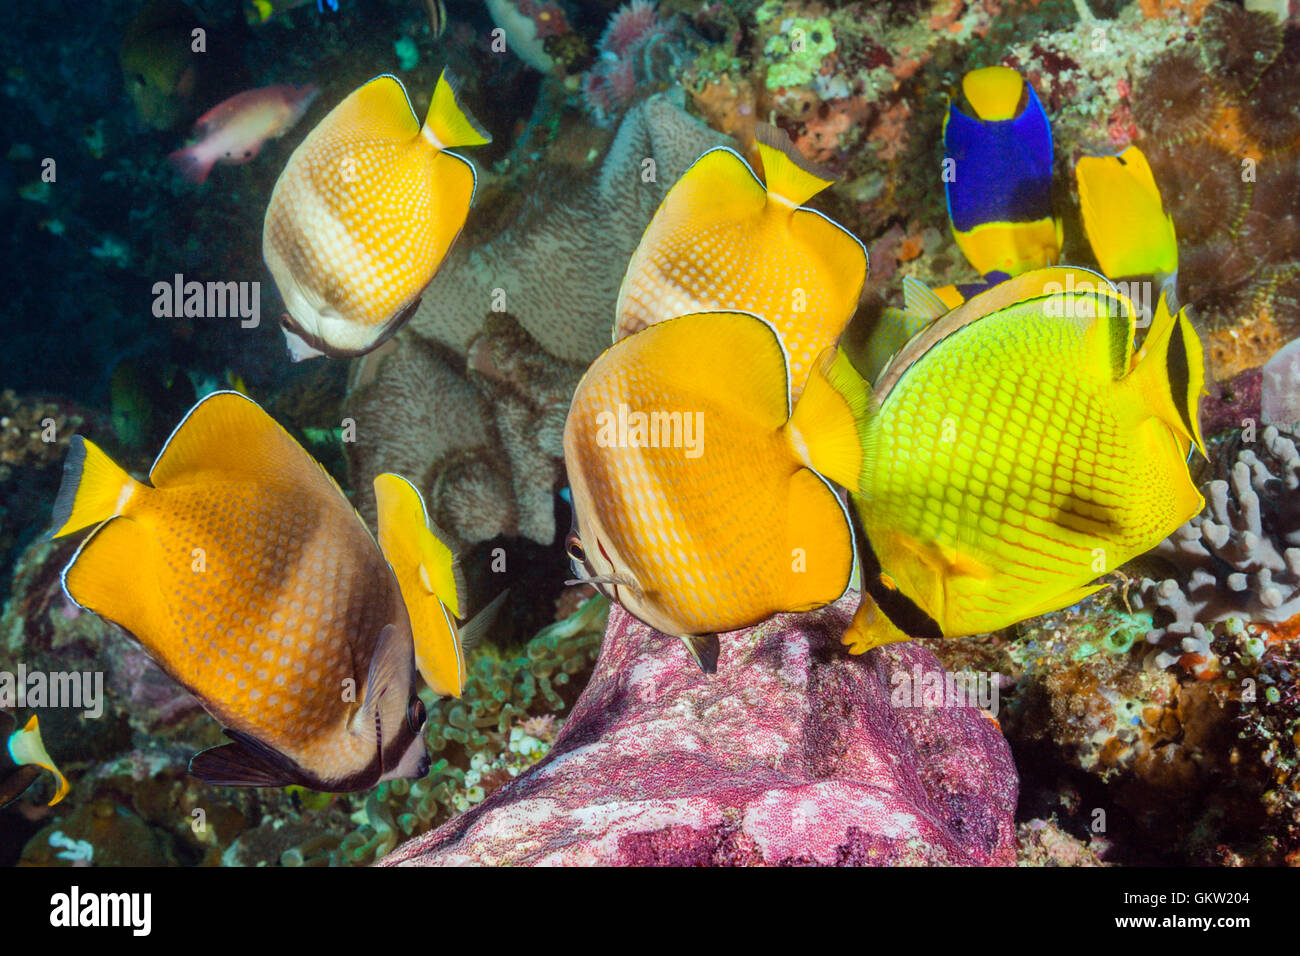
[390,673]
[704,650]
[920,300]
[477,626]
[245,762]
[870,628]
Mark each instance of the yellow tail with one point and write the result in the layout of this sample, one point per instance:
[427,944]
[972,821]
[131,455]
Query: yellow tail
[830,427]
[26,748]
[94,489]
[1169,372]
[450,123]
[788,175]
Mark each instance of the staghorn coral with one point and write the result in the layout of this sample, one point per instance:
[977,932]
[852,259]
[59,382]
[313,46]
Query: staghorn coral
[484,443]
[792,753]
[503,723]
[1241,558]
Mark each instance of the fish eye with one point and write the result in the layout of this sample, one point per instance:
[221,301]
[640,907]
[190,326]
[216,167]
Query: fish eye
[415,715]
[573,547]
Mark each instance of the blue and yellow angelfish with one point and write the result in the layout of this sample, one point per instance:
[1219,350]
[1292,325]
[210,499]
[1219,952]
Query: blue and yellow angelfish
[998,174]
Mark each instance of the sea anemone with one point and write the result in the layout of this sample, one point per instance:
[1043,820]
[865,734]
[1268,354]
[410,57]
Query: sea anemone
[1238,45]
[630,25]
[1271,114]
[1202,187]
[638,52]
[1177,100]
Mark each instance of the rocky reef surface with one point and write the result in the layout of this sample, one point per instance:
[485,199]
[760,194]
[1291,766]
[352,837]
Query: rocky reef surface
[793,753]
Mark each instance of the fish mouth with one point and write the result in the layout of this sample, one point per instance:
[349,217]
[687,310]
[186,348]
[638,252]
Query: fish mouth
[391,328]
[606,584]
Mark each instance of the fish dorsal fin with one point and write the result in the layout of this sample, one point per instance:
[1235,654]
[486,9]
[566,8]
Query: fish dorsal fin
[430,579]
[1026,287]
[920,299]
[228,436]
[790,178]
[390,673]
[246,762]
[734,359]
[994,92]
[1124,216]
[377,110]
[448,123]
[411,540]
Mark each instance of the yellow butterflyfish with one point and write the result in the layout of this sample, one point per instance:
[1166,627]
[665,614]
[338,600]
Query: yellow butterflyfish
[721,239]
[246,574]
[702,501]
[1023,452]
[365,212]
[1124,217]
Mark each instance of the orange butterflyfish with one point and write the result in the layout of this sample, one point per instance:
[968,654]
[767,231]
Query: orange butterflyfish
[364,214]
[247,575]
[432,584]
[702,502]
[722,239]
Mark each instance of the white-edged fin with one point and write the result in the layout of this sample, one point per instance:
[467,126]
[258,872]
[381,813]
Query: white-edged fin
[390,673]
[919,299]
[477,626]
[298,347]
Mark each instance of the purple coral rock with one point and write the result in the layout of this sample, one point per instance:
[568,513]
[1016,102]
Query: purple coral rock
[791,754]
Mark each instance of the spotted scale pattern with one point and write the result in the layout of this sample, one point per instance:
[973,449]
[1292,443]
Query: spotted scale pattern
[359,222]
[271,598]
[793,268]
[1006,448]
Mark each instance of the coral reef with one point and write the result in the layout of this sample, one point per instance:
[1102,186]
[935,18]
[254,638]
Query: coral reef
[793,753]
[1280,388]
[1241,558]
[490,466]
[505,721]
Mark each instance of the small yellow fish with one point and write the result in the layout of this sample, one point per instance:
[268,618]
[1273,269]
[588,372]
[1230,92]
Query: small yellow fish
[1023,452]
[1124,217]
[701,502]
[364,213]
[723,240]
[247,575]
[159,64]
[22,758]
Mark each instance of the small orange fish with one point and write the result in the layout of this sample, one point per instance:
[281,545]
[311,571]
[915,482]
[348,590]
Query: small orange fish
[233,131]
[247,575]
[723,240]
[701,502]
[364,213]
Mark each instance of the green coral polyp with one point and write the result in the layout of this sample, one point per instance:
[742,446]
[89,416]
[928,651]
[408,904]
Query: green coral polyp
[797,51]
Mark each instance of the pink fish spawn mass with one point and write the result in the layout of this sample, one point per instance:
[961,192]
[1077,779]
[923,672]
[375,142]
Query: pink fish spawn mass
[234,130]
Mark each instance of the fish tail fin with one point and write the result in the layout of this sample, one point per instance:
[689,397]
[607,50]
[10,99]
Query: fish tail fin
[94,489]
[831,425]
[430,579]
[1169,372]
[787,173]
[450,123]
[870,628]
[28,749]
[191,163]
